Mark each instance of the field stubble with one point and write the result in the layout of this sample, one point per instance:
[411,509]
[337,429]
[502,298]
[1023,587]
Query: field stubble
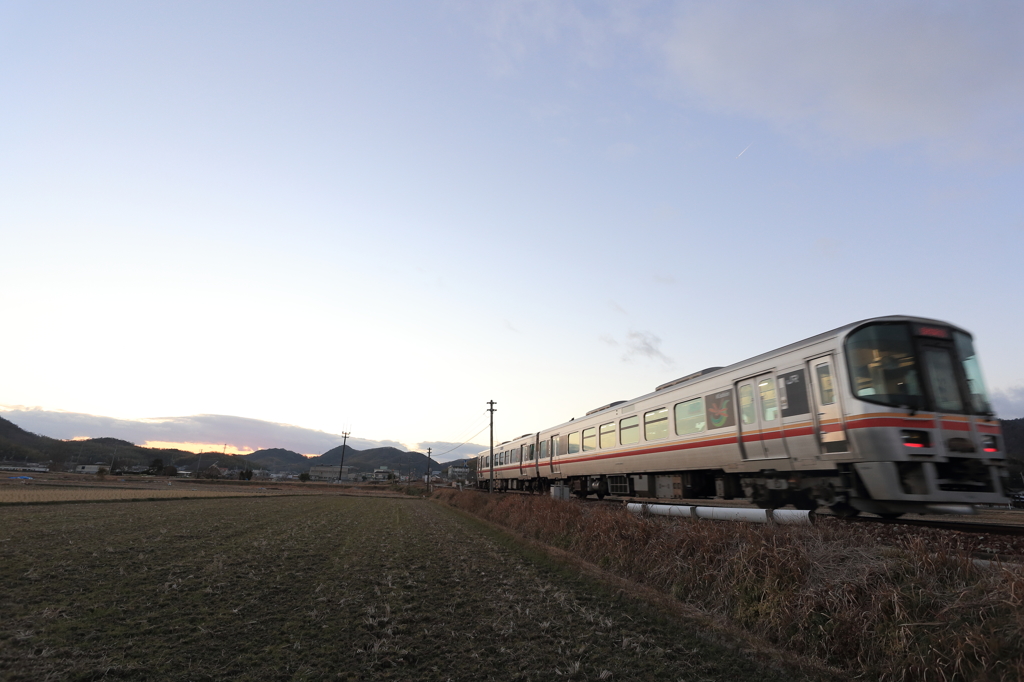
[314,587]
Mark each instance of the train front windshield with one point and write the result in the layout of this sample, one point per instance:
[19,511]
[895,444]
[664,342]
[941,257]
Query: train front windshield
[923,367]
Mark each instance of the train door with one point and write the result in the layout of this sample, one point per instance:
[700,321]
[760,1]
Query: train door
[526,460]
[940,374]
[760,421]
[831,432]
[553,452]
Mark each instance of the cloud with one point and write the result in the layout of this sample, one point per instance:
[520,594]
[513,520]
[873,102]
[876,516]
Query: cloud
[520,30]
[616,307]
[1009,403]
[880,73]
[644,344]
[446,452]
[240,434]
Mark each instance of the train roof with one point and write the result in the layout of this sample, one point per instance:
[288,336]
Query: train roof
[712,371]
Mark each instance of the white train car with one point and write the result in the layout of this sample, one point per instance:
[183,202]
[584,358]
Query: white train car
[888,415]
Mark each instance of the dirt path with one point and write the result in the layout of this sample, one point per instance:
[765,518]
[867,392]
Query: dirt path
[314,588]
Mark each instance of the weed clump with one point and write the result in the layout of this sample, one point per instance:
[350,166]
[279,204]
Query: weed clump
[916,607]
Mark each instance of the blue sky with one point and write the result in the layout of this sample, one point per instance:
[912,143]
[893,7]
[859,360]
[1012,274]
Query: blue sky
[375,217]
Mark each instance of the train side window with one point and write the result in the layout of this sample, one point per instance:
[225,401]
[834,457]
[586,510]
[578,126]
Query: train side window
[656,424]
[531,451]
[828,394]
[769,406]
[574,442]
[608,435]
[690,417]
[563,444]
[629,430]
[590,439]
[747,412]
[543,451]
[793,393]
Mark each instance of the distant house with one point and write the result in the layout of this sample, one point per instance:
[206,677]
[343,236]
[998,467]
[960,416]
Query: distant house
[328,473]
[90,468]
[383,474]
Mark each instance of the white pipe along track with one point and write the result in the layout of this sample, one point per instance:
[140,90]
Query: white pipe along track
[780,516]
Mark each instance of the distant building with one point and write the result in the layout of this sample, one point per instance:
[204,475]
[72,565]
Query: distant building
[457,473]
[383,474]
[90,468]
[36,468]
[328,473]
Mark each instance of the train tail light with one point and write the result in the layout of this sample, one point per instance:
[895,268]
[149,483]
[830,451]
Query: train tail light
[989,444]
[916,439]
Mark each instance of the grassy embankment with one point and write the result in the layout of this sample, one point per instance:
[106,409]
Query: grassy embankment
[903,607]
[318,588]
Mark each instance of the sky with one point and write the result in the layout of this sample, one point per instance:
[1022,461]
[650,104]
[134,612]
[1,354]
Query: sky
[376,217]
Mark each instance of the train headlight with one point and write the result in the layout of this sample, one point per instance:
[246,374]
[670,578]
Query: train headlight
[916,439]
[989,444]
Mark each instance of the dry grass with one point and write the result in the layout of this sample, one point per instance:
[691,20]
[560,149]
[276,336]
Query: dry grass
[912,607]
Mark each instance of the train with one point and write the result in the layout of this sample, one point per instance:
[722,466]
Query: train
[886,416]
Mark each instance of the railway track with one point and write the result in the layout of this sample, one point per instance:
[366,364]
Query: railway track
[944,524]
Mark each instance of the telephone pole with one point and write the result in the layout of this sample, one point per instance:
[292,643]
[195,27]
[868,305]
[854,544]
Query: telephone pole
[341,467]
[428,470]
[490,459]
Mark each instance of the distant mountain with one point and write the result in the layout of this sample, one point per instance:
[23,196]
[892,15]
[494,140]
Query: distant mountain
[277,459]
[368,460]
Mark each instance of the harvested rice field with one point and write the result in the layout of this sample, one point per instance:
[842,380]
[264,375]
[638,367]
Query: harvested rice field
[319,587]
[41,495]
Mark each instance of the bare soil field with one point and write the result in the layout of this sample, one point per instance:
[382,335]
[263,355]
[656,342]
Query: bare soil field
[52,488]
[319,587]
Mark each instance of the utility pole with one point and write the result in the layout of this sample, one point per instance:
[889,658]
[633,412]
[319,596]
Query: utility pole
[428,470]
[344,442]
[490,459]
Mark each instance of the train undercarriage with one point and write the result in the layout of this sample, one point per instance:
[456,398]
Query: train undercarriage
[842,490]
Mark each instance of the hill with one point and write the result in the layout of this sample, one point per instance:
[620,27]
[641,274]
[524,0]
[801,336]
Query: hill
[277,459]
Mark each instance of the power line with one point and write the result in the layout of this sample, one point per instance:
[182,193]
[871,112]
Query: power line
[463,442]
[470,427]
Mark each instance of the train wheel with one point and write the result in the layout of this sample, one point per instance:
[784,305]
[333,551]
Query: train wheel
[765,499]
[802,500]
